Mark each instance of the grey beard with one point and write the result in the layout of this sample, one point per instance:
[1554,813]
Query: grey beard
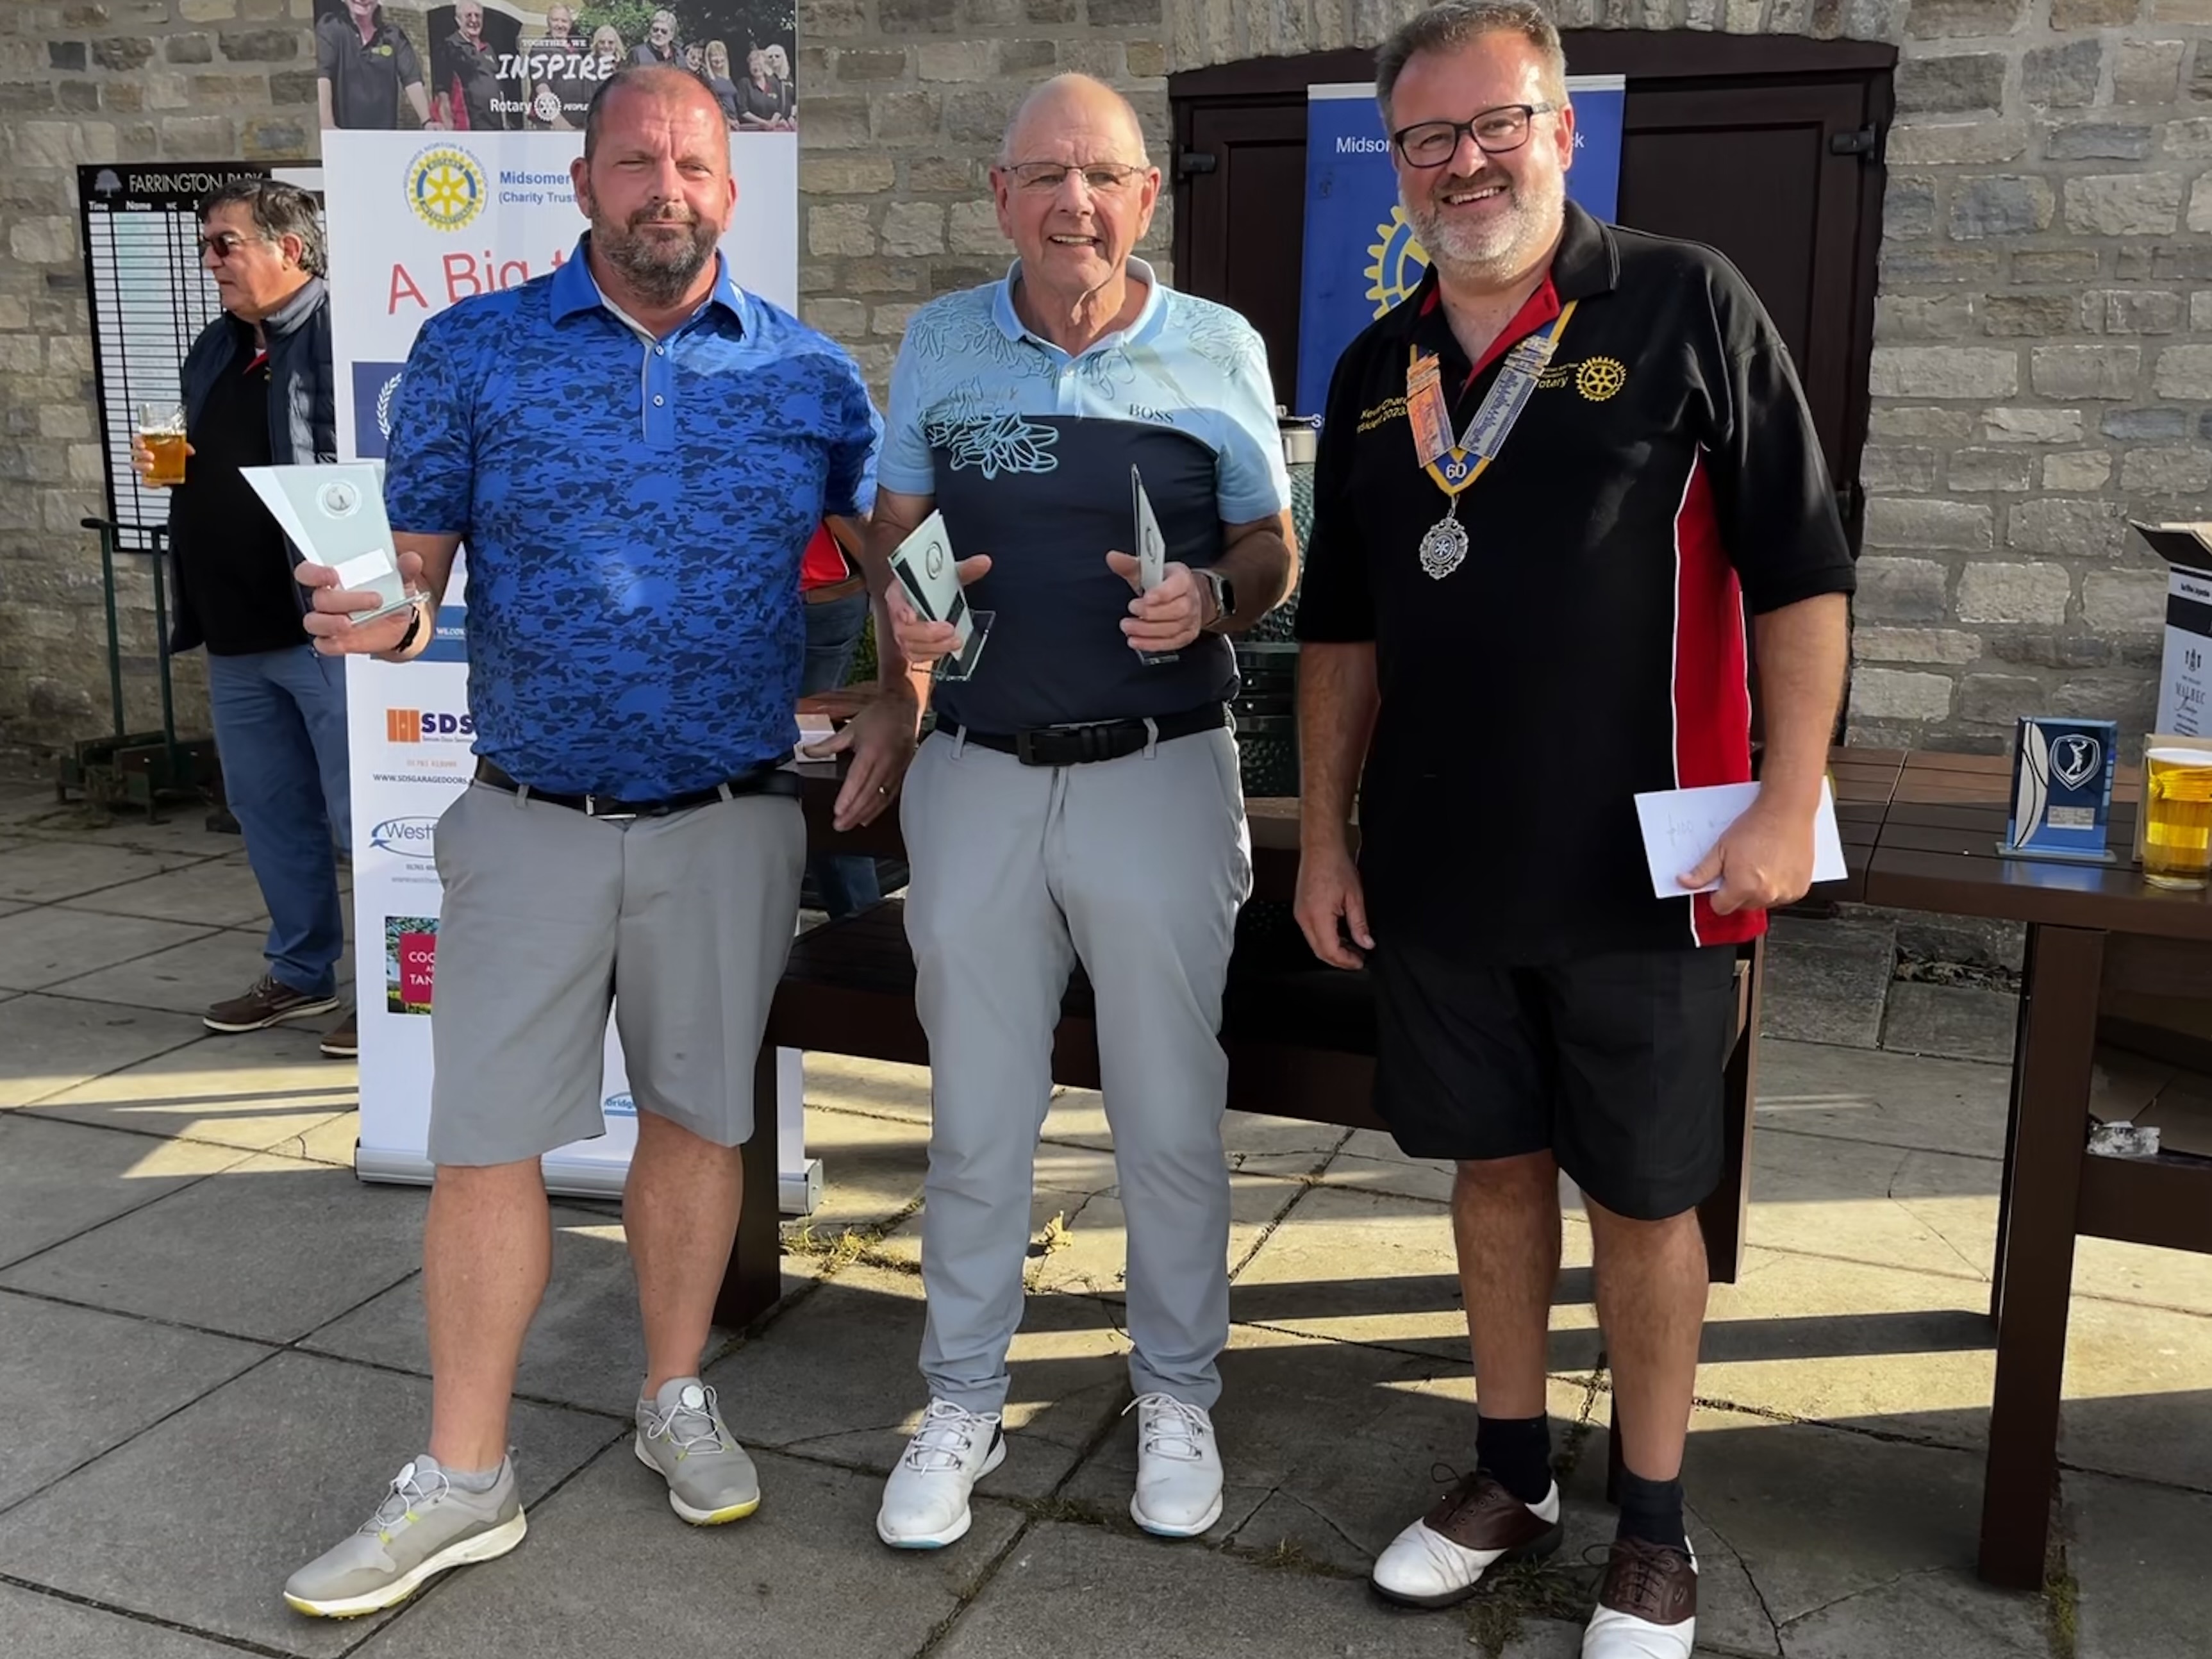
[659,277]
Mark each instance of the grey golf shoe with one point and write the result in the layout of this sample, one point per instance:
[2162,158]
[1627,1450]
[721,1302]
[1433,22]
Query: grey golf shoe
[681,1437]
[424,1526]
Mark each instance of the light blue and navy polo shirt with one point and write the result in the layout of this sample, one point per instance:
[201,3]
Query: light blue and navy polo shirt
[1028,453]
[633,511]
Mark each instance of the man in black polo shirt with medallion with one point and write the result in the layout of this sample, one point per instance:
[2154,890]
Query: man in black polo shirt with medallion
[1550,483]
[364,65]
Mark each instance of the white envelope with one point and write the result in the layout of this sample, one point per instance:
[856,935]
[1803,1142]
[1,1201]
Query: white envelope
[1680,826]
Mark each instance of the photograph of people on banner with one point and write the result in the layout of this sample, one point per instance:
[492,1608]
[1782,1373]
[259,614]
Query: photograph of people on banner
[490,66]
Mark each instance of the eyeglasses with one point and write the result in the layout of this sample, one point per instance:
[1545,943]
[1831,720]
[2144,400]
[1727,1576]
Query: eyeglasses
[222,244]
[1100,178]
[1495,132]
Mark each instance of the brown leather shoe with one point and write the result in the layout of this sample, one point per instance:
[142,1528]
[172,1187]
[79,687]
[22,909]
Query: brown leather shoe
[344,1040]
[269,1002]
[1647,1604]
[1478,1524]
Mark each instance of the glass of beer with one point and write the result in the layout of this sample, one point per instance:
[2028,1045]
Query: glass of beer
[2177,805]
[161,429]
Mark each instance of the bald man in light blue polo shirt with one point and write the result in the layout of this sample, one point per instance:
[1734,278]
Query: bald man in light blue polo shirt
[1079,801]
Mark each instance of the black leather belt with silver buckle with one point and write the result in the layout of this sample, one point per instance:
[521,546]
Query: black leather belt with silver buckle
[1100,740]
[763,780]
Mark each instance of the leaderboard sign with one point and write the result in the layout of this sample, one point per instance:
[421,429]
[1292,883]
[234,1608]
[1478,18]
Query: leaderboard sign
[420,221]
[150,298]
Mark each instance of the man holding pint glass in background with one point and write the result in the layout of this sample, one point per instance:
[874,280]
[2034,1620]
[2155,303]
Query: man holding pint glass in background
[256,388]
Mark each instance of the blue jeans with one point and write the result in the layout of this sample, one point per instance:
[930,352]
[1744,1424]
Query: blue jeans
[280,728]
[833,634]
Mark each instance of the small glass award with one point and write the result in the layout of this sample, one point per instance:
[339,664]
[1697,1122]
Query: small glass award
[334,514]
[1152,557]
[2061,790]
[924,563]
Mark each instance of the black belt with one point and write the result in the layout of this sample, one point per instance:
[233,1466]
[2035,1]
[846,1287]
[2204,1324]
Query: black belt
[763,780]
[1103,740]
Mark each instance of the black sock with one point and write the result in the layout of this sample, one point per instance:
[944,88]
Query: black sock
[1517,1451]
[1652,1510]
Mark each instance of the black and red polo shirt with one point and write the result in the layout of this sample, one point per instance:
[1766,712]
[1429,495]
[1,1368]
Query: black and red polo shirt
[1591,645]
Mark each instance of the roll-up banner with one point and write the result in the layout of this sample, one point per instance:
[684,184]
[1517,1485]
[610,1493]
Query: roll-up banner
[419,220]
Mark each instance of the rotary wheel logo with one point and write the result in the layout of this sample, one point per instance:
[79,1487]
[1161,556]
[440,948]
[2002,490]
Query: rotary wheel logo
[446,187]
[1399,261]
[1599,378]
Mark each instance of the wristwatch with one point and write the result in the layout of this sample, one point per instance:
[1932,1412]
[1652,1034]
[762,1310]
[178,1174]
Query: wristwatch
[1224,599]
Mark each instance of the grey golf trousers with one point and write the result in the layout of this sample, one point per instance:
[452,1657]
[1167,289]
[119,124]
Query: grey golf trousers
[1137,868]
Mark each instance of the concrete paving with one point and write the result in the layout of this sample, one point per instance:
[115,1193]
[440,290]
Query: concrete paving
[211,1355]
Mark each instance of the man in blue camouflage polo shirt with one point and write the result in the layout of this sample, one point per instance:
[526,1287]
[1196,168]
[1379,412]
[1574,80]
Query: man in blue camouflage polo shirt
[634,651]
[1078,802]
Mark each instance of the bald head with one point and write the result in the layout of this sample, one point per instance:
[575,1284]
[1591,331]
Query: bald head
[661,83]
[1068,104]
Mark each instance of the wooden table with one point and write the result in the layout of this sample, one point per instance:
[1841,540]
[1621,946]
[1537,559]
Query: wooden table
[1921,832]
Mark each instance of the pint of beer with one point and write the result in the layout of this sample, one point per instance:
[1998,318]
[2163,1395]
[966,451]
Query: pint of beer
[161,429]
[2177,804]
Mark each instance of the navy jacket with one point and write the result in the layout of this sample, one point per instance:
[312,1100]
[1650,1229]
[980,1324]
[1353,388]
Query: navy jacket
[302,404]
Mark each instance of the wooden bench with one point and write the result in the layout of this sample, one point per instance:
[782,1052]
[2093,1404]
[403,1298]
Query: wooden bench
[1299,1035]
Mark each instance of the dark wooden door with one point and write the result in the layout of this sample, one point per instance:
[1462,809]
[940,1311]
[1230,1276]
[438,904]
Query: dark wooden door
[1753,146]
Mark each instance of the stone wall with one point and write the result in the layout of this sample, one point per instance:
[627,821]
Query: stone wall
[2043,359]
[103,81]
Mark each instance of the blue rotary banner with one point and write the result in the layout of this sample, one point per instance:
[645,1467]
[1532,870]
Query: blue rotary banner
[1361,257]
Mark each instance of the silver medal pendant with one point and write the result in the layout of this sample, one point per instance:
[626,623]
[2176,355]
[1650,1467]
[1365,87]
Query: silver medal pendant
[1444,547]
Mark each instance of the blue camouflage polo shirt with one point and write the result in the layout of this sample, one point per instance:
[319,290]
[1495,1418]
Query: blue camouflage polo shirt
[634,514]
[1028,453]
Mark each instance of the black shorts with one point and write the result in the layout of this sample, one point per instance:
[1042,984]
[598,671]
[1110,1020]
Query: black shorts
[1611,1062]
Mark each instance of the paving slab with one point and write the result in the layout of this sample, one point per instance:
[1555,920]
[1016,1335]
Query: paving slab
[220,893]
[607,1570]
[1888,1205]
[1371,1162]
[585,1347]
[50,1043]
[1977,940]
[1174,1601]
[149,1528]
[1826,983]
[185,978]
[1892,1100]
[2138,1556]
[59,1179]
[74,1383]
[1937,1611]
[868,1085]
[258,1091]
[1826,1339]
[2114,1271]
[2138,1394]
[872,1165]
[44,871]
[1962,1022]
[52,1628]
[1821,1518]
[48,943]
[834,1378]
[271,1249]
[1356,1267]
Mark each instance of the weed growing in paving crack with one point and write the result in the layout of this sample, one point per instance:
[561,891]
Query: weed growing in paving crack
[1531,1589]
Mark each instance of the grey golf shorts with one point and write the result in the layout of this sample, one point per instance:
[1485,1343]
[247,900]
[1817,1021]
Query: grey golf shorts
[681,924]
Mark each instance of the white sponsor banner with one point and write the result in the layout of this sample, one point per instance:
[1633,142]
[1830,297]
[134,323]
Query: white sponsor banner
[418,221]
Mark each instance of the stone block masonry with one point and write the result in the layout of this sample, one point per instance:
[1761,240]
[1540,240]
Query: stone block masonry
[2042,363]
